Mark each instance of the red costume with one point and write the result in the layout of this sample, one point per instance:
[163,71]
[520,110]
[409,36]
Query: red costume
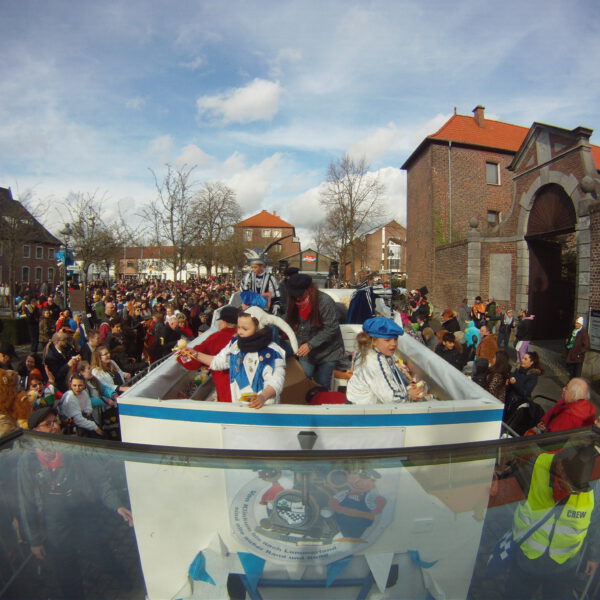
[212,345]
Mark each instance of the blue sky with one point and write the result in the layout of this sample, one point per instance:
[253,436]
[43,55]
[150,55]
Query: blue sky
[262,95]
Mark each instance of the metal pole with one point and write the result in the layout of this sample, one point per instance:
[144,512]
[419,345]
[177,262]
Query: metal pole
[66,288]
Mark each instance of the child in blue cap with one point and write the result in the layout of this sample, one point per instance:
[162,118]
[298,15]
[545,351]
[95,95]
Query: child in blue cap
[377,379]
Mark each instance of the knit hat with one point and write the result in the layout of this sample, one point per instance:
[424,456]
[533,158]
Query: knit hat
[579,320]
[7,348]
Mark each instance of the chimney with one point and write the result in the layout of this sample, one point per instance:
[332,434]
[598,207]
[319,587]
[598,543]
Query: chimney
[275,212]
[479,115]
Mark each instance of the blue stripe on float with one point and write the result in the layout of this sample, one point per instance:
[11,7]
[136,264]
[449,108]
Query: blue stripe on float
[309,420]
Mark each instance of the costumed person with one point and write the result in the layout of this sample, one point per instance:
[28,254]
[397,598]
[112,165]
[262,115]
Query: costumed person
[256,365]
[255,305]
[449,321]
[478,312]
[356,508]
[577,345]
[377,379]
[260,281]
[558,492]
[312,315]
[212,345]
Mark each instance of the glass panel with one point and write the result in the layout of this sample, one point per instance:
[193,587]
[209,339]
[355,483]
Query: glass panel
[408,523]
[492,173]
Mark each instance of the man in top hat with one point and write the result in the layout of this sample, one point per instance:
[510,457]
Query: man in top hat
[258,280]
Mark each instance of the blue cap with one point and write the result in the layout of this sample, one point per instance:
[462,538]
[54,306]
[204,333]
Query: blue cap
[253,299]
[382,327]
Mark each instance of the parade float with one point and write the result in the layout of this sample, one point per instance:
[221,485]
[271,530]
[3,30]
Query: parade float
[302,518]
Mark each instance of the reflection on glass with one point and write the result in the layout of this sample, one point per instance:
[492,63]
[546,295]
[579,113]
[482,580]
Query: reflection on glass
[405,524]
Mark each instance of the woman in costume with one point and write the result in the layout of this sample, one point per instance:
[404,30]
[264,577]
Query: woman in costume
[377,379]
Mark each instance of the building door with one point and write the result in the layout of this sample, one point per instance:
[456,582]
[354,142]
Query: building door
[552,262]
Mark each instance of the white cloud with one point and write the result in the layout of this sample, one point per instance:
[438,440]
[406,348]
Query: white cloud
[376,144]
[253,184]
[193,155]
[195,63]
[258,101]
[135,103]
[161,147]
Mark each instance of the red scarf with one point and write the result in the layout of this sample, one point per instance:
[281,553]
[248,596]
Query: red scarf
[304,308]
[50,463]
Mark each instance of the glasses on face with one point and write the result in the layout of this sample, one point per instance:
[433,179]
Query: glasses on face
[49,424]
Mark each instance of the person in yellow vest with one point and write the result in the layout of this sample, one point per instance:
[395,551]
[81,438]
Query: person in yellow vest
[548,558]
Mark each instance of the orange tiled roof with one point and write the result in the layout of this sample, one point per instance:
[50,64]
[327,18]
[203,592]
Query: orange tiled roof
[596,156]
[495,134]
[264,219]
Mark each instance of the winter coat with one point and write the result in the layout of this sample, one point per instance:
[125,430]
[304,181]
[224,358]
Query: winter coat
[524,330]
[582,344]
[525,382]
[569,415]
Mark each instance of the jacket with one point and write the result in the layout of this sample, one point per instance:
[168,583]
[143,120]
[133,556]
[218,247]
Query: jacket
[325,342]
[488,347]
[576,354]
[569,415]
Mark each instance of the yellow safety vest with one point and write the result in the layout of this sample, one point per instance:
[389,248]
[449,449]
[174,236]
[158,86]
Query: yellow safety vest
[561,536]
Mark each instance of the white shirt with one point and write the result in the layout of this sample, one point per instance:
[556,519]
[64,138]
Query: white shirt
[76,407]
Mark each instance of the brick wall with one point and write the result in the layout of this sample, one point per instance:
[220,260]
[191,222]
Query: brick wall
[451,281]
[419,245]
[595,252]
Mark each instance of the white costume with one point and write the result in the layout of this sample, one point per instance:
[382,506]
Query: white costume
[376,380]
[251,372]
[265,283]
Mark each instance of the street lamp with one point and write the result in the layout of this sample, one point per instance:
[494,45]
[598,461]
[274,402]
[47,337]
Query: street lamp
[66,233]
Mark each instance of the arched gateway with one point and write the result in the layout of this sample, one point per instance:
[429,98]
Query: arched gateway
[552,245]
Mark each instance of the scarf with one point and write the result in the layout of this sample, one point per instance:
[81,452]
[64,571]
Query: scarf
[50,460]
[304,308]
[257,341]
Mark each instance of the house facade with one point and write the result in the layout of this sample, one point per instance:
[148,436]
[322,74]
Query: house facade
[262,229]
[27,248]
[509,213]
[380,253]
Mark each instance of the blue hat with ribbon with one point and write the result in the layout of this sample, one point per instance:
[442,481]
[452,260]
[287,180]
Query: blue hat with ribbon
[250,298]
[382,327]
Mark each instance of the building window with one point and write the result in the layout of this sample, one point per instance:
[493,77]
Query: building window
[25,274]
[50,253]
[492,173]
[276,249]
[50,273]
[26,254]
[276,233]
[39,252]
[266,233]
[493,218]
[38,273]
[248,235]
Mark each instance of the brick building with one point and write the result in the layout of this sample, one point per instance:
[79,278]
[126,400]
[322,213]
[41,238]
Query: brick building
[380,253]
[506,212]
[264,228]
[27,248]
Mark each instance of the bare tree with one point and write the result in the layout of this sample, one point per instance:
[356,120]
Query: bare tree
[217,212]
[352,199]
[171,215]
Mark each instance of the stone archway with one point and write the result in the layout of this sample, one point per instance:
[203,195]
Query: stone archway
[552,245]
[570,185]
